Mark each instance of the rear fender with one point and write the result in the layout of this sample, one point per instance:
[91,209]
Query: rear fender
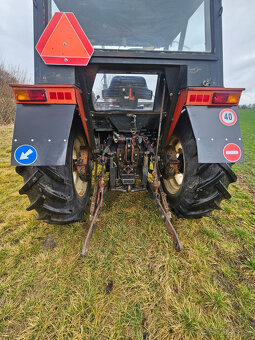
[42,128]
[216,127]
[218,139]
[41,132]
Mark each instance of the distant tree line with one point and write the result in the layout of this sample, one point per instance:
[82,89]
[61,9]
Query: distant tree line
[247,106]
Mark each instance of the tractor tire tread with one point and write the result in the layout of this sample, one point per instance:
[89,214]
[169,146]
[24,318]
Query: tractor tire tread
[227,168]
[42,216]
[37,203]
[54,194]
[210,182]
[30,182]
[51,173]
[19,170]
[205,201]
[52,210]
[194,214]
[205,185]
[48,195]
[223,190]
[51,189]
[202,167]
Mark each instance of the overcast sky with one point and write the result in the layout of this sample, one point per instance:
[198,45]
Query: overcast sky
[16,41]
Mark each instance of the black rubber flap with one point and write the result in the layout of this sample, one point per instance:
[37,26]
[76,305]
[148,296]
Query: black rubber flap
[217,132]
[41,134]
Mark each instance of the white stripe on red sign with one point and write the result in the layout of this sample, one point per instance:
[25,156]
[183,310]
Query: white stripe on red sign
[232,152]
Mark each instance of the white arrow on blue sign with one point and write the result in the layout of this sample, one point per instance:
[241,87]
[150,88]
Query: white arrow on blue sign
[25,154]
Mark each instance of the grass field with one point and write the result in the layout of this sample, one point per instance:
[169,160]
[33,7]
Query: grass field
[133,285]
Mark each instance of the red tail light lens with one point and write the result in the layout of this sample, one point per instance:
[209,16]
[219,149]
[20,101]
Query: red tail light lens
[220,98]
[61,95]
[37,95]
[68,95]
[53,95]
[226,98]
[206,98]
[33,95]
[199,98]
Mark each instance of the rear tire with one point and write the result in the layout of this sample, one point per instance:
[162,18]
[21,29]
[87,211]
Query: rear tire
[53,191]
[198,188]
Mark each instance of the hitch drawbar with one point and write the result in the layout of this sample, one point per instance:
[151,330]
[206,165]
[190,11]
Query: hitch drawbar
[159,198]
[97,202]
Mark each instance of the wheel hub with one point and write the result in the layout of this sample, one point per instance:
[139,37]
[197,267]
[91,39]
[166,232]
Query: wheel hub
[173,172]
[81,169]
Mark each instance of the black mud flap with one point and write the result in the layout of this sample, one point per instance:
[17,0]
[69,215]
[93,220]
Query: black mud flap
[41,134]
[217,132]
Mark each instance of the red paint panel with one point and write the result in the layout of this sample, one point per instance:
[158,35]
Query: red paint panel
[82,114]
[177,112]
[214,89]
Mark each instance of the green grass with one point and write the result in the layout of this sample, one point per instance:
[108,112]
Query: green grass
[247,169]
[133,285]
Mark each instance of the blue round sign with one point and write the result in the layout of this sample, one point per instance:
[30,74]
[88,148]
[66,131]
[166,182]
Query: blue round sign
[25,154]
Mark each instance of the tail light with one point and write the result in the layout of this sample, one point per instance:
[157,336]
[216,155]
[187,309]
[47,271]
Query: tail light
[213,96]
[31,95]
[49,94]
[226,98]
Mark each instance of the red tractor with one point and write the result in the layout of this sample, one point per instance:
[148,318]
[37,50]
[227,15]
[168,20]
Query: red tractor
[132,90]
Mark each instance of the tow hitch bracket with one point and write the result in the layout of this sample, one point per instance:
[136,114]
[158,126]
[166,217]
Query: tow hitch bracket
[98,198]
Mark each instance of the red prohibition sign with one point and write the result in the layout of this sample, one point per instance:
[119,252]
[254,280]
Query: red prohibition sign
[232,152]
[228,117]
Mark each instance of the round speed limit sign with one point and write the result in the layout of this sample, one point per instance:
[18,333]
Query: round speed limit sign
[228,117]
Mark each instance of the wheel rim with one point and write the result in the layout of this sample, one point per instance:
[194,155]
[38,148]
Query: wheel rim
[174,183]
[79,185]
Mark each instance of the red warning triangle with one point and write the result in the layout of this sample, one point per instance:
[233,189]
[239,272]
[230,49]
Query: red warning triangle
[64,43]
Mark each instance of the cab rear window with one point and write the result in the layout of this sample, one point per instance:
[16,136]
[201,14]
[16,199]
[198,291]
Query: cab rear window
[144,25]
